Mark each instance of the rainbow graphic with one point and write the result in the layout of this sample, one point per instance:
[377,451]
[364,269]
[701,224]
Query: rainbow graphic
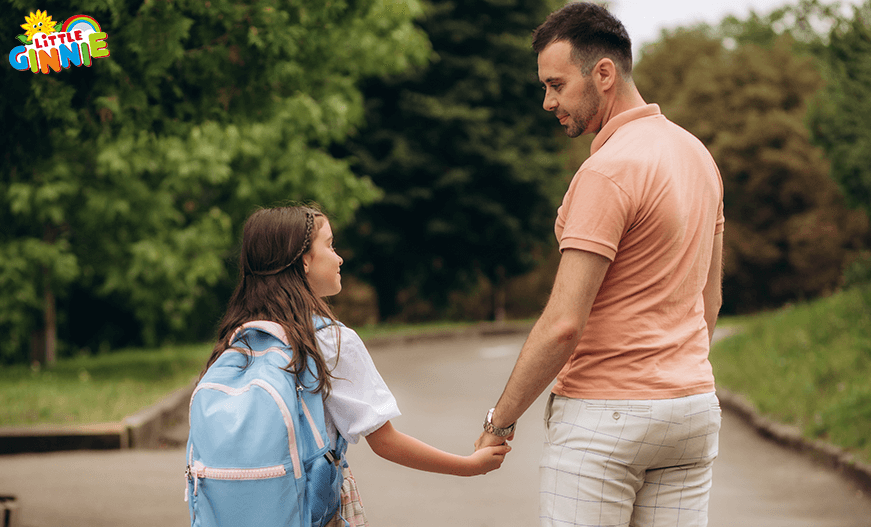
[82,23]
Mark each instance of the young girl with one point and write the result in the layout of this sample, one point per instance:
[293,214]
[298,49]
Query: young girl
[287,266]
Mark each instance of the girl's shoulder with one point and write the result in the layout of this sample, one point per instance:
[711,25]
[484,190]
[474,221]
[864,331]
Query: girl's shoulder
[337,336]
[336,328]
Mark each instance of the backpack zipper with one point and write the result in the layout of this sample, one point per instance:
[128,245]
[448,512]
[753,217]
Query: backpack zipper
[198,470]
[331,455]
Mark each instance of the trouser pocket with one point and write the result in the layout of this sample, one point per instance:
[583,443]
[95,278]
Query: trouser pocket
[548,417]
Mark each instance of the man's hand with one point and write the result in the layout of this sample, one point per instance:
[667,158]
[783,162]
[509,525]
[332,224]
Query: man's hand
[488,439]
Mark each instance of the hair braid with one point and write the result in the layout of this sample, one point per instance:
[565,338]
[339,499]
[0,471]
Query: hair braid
[306,242]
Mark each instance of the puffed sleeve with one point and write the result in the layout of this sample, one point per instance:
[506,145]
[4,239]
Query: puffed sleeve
[359,402]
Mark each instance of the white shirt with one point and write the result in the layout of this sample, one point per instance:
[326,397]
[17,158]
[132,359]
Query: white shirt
[359,402]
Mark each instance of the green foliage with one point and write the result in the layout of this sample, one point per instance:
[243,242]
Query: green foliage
[465,155]
[807,22]
[840,114]
[788,234]
[858,272]
[22,284]
[807,365]
[131,179]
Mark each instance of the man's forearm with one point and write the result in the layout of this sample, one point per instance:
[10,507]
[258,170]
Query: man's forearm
[543,355]
[556,334]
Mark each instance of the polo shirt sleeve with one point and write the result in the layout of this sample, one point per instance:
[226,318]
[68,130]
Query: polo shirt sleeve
[359,402]
[595,214]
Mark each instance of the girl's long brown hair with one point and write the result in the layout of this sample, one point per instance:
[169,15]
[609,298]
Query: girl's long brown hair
[273,285]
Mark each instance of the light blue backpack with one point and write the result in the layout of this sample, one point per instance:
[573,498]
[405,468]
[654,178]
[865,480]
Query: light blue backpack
[258,453]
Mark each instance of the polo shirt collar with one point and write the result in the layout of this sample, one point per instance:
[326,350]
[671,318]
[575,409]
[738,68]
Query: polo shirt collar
[619,120]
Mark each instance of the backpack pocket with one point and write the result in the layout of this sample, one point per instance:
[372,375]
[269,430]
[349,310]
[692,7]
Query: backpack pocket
[324,488]
[227,496]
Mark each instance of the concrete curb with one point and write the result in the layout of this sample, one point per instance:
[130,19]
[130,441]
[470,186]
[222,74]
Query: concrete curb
[100,436]
[143,429]
[146,428]
[791,437]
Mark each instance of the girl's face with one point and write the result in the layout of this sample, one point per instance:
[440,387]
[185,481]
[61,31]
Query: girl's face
[322,264]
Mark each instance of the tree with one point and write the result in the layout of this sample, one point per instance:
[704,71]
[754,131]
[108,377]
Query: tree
[129,180]
[841,112]
[787,231]
[466,157]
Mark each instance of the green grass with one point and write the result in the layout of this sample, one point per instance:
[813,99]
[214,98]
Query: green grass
[383,330]
[808,365]
[96,389]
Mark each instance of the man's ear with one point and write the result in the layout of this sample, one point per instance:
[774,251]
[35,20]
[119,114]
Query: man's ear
[605,74]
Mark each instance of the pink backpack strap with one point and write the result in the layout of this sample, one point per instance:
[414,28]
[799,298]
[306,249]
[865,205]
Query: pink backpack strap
[265,325]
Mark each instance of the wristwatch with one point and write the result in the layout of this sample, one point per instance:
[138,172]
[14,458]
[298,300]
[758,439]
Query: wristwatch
[491,428]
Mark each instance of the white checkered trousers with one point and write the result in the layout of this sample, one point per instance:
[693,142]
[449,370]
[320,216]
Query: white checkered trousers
[628,463]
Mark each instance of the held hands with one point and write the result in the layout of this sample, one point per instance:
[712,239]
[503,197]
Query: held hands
[491,448]
[487,439]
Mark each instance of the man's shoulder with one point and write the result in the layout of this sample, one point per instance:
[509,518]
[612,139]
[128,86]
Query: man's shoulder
[647,138]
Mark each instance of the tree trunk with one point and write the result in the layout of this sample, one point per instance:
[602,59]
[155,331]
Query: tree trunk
[43,344]
[499,295]
[37,347]
[50,320]
[385,292]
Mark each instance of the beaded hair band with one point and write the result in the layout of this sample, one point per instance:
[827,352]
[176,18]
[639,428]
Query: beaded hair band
[309,226]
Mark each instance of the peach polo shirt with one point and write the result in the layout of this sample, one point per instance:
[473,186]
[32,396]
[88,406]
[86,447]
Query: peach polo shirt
[650,199]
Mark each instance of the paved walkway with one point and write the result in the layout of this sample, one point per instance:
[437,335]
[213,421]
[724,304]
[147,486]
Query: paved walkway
[443,388]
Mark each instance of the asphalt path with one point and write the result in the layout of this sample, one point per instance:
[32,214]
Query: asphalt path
[444,388]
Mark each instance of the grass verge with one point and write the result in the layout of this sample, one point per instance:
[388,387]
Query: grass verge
[96,389]
[385,330]
[808,365]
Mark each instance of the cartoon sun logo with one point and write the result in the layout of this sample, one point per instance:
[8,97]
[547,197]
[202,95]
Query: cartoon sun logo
[39,22]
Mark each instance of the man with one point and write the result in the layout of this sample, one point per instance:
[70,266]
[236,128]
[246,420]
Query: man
[632,421]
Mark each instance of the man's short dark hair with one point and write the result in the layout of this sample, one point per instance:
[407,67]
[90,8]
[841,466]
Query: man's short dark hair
[593,32]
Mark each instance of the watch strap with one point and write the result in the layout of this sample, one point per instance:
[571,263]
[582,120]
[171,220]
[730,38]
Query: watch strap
[489,427]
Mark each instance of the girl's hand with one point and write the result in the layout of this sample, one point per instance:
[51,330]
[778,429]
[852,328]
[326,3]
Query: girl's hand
[487,459]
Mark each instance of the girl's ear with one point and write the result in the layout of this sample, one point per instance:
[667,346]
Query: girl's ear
[306,259]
